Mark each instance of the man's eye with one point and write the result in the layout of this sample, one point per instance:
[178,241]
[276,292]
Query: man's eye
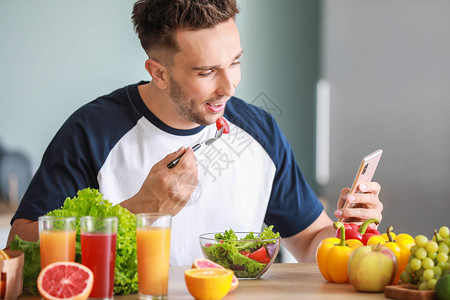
[205,74]
[236,63]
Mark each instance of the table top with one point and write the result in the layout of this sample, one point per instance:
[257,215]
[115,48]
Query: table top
[289,281]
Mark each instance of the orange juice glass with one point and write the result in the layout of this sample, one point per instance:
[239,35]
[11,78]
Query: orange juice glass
[57,239]
[153,253]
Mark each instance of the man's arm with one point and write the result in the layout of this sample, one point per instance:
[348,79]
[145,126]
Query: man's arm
[303,245]
[25,229]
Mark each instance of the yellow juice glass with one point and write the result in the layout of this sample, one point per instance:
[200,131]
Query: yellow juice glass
[57,239]
[153,253]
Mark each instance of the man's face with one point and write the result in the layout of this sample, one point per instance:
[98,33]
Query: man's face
[205,72]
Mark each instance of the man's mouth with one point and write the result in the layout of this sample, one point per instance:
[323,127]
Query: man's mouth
[215,107]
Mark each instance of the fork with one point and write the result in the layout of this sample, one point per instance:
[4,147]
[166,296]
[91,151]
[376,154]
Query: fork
[207,142]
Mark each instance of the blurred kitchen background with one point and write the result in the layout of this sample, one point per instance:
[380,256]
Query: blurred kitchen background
[359,74]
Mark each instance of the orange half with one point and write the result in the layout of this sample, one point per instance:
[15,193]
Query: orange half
[4,255]
[208,283]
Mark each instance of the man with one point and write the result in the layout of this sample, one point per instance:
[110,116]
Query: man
[241,181]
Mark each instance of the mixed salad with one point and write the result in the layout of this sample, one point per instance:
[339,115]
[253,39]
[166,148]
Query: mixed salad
[248,256]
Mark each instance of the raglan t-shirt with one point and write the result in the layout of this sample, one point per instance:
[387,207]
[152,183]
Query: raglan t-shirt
[245,179]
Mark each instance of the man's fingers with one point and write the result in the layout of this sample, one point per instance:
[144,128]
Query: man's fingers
[370,187]
[360,214]
[163,164]
[184,180]
[342,197]
[367,200]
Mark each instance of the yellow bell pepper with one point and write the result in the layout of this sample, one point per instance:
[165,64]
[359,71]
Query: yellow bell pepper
[332,256]
[376,239]
[401,246]
[386,238]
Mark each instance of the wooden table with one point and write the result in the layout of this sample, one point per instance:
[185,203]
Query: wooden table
[281,281]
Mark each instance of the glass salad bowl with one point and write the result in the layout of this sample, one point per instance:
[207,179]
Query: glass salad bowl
[245,253]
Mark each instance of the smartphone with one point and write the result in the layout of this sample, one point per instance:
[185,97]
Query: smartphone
[366,171]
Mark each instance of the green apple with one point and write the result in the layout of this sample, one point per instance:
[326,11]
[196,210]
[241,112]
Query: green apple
[371,268]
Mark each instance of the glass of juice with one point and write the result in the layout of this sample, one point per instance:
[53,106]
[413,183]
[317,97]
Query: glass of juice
[153,252]
[98,253]
[56,239]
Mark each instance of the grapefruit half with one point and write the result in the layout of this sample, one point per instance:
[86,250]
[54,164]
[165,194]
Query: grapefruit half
[65,280]
[203,263]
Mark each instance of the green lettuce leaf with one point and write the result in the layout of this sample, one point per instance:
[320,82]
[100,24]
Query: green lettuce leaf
[32,264]
[269,234]
[228,235]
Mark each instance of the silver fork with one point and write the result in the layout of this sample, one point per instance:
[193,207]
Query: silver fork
[207,142]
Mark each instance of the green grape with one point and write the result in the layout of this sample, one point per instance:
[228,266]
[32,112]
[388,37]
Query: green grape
[409,269]
[444,231]
[428,274]
[447,241]
[421,240]
[443,248]
[427,263]
[423,286]
[432,255]
[416,264]
[429,260]
[442,257]
[432,246]
[421,253]
[405,277]
[443,265]
[432,283]
[437,271]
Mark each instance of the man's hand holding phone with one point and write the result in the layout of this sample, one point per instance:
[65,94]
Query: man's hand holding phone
[365,204]
[361,202]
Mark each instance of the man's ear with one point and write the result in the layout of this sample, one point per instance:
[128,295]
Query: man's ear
[158,73]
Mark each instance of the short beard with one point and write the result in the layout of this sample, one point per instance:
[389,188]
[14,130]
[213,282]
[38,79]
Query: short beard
[185,108]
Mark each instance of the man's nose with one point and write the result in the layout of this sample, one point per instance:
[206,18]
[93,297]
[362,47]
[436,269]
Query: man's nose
[226,86]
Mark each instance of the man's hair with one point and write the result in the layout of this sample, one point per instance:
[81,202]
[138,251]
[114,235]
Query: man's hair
[157,21]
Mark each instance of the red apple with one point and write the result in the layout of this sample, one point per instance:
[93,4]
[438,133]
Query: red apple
[371,268]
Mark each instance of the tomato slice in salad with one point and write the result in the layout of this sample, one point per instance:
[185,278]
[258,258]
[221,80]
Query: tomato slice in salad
[245,253]
[221,122]
[260,255]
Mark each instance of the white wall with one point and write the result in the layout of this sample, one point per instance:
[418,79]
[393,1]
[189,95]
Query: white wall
[54,57]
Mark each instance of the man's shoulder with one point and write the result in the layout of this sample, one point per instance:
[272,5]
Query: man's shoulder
[239,107]
[111,109]
[102,121]
[249,117]
[260,125]
[107,104]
